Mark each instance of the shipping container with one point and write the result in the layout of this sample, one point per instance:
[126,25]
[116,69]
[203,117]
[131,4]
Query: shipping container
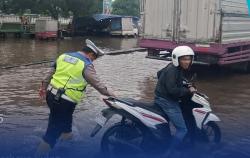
[46,28]
[218,30]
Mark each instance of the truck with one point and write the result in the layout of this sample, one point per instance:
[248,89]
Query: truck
[46,29]
[217,30]
[123,26]
[10,24]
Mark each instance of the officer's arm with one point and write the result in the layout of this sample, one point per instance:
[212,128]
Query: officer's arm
[48,77]
[91,77]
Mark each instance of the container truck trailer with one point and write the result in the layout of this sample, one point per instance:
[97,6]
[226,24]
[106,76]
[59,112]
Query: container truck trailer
[217,30]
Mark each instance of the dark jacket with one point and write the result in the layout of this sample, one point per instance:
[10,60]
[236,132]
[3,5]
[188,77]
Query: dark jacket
[170,83]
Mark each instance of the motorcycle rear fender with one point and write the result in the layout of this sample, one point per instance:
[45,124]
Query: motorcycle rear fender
[108,113]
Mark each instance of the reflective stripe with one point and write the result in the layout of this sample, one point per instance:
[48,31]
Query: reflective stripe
[54,91]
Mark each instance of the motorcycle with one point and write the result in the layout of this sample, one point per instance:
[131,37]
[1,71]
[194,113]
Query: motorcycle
[144,129]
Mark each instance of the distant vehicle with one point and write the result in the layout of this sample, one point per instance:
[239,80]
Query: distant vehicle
[123,26]
[106,24]
[217,30]
[46,29]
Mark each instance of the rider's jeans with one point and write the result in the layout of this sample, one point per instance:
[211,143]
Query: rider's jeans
[173,111]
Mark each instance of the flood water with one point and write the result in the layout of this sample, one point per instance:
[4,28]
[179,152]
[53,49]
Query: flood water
[129,75]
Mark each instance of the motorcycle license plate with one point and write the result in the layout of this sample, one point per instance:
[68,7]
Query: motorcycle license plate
[101,120]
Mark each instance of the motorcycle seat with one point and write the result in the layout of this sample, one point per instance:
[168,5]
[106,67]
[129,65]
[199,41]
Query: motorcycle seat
[148,106]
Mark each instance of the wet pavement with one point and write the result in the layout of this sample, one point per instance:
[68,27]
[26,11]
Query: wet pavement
[129,75]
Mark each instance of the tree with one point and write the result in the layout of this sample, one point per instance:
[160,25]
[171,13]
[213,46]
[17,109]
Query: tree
[126,7]
[5,6]
[19,6]
[82,7]
[54,8]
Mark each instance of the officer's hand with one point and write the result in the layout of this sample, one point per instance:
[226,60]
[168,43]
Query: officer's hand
[42,91]
[112,94]
[192,89]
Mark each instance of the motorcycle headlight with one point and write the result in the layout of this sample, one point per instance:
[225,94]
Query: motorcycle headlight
[200,100]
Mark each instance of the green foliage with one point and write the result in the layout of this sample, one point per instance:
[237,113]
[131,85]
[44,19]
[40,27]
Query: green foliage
[126,7]
[54,8]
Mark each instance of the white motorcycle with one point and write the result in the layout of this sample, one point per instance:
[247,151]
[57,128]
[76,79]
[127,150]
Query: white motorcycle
[144,128]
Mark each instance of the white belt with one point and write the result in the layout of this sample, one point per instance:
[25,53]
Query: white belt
[54,91]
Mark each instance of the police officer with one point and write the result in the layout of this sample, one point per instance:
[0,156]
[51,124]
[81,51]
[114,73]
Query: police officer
[65,89]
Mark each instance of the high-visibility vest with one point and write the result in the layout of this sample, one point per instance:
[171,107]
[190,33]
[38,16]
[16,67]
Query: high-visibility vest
[69,75]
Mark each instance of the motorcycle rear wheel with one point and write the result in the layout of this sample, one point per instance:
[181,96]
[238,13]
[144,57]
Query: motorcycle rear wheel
[122,140]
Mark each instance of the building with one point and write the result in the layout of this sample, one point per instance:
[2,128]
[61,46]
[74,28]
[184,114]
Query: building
[107,6]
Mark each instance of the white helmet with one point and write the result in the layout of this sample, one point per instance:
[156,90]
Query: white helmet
[179,52]
[98,52]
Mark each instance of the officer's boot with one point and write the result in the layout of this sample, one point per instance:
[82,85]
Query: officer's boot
[43,149]
[66,136]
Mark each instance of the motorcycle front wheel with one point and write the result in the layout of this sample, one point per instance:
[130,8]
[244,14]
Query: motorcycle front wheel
[212,132]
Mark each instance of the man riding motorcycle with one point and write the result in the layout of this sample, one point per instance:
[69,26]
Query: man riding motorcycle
[170,90]
[143,128]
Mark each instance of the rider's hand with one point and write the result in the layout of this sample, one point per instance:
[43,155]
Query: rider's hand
[192,89]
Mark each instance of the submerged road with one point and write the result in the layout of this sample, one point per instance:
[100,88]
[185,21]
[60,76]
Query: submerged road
[130,75]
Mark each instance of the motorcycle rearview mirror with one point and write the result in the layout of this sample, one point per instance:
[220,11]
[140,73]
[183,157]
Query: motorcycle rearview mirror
[194,77]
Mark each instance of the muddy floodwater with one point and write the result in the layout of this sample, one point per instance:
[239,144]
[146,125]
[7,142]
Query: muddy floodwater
[129,75]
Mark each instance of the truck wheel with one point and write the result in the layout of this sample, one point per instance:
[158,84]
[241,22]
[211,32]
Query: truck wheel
[153,52]
[248,67]
[18,35]
[243,67]
[3,35]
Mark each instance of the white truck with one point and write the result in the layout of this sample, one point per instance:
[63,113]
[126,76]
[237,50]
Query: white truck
[217,30]
[46,29]
[123,26]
